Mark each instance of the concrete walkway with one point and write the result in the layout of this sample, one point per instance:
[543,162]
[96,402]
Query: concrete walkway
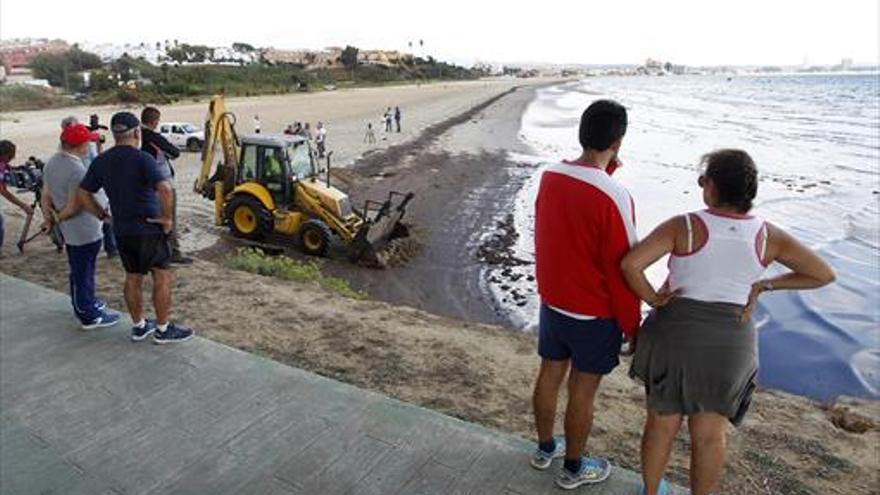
[93,413]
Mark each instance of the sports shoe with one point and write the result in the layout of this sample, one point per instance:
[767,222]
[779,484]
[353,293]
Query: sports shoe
[180,259]
[172,334]
[541,460]
[105,319]
[100,304]
[662,488]
[139,334]
[593,470]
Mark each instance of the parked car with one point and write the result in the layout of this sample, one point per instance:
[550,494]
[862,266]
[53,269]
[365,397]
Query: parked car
[183,135]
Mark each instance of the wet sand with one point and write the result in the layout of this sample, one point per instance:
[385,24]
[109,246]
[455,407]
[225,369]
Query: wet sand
[480,373]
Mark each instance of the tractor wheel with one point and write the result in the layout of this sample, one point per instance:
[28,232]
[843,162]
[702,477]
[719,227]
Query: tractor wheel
[314,237]
[193,145]
[248,218]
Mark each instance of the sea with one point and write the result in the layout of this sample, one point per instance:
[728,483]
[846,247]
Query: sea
[816,141]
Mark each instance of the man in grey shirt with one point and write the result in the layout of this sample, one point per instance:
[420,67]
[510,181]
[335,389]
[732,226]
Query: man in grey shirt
[92,152]
[82,232]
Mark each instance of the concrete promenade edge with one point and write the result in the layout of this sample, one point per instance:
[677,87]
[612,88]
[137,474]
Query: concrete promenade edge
[90,412]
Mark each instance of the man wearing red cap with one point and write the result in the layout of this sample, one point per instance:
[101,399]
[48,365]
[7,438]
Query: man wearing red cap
[82,231]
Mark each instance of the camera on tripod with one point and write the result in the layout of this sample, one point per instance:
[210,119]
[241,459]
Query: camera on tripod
[27,177]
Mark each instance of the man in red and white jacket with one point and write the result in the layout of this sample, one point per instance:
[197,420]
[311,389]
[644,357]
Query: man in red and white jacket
[584,225]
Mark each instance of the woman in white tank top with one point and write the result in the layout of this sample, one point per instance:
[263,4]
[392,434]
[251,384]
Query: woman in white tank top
[696,352]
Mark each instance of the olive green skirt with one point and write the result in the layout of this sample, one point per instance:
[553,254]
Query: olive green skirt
[695,357]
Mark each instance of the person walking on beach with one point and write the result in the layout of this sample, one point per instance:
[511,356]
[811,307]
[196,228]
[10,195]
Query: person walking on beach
[256,124]
[92,152]
[397,117]
[696,352]
[82,232]
[321,139]
[155,145]
[142,200]
[7,154]
[370,136]
[584,225]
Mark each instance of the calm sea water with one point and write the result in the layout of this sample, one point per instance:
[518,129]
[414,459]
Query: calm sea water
[816,140]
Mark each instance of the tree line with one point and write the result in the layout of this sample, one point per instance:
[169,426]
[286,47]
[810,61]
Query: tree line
[188,74]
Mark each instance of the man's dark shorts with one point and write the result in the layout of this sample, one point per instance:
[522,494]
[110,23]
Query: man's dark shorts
[140,254]
[592,345]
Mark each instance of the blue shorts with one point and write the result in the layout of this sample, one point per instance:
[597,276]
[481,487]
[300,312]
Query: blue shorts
[592,345]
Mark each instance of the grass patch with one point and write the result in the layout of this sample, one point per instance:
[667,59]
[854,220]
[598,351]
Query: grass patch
[15,97]
[254,260]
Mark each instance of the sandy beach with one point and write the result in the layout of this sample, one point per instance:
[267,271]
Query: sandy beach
[428,334]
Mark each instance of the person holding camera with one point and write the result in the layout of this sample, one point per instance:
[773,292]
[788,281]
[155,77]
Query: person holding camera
[7,154]
[163,152]
[82,232]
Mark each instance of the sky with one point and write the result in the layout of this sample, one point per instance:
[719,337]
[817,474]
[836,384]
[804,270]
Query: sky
[691,32]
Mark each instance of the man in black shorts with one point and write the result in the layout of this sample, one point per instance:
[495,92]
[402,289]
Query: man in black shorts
[141,202]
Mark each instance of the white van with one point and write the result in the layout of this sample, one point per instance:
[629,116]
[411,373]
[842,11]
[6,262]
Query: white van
[183,135]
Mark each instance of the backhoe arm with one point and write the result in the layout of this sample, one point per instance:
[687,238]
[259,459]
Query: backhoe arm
[219,129]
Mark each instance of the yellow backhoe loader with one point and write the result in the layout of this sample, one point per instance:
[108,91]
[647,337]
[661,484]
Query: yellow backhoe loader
[269,189]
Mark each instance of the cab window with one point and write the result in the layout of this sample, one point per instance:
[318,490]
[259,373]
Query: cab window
[176,130]
[164,129]
[300,161]
[249,164]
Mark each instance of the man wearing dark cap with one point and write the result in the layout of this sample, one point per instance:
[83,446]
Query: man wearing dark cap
[163,152]
[82,232]
[141,201]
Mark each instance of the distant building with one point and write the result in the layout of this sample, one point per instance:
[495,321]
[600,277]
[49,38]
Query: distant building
[386,58]
[17,53]
[329,57]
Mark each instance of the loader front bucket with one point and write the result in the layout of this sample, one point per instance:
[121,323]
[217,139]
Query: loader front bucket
[382,224]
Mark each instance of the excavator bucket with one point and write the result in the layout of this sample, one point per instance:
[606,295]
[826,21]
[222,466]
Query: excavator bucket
[382,224]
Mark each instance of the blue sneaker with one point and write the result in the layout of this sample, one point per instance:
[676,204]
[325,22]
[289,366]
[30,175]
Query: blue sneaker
[172,334]
[541,460]
[139,334]
[105,319]
[662,489]
[593,470]
[100,304]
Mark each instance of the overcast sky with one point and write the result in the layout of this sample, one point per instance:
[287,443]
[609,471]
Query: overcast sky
[693,32]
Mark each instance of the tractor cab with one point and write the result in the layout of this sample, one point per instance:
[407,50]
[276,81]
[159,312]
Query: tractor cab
[278,163]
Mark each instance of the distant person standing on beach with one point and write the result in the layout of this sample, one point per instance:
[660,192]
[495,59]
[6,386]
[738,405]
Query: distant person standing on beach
[584,225]
[397,117]
[306,131]
[389,115]
[321,139]
[370,136]
[697,351]
[256,124]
